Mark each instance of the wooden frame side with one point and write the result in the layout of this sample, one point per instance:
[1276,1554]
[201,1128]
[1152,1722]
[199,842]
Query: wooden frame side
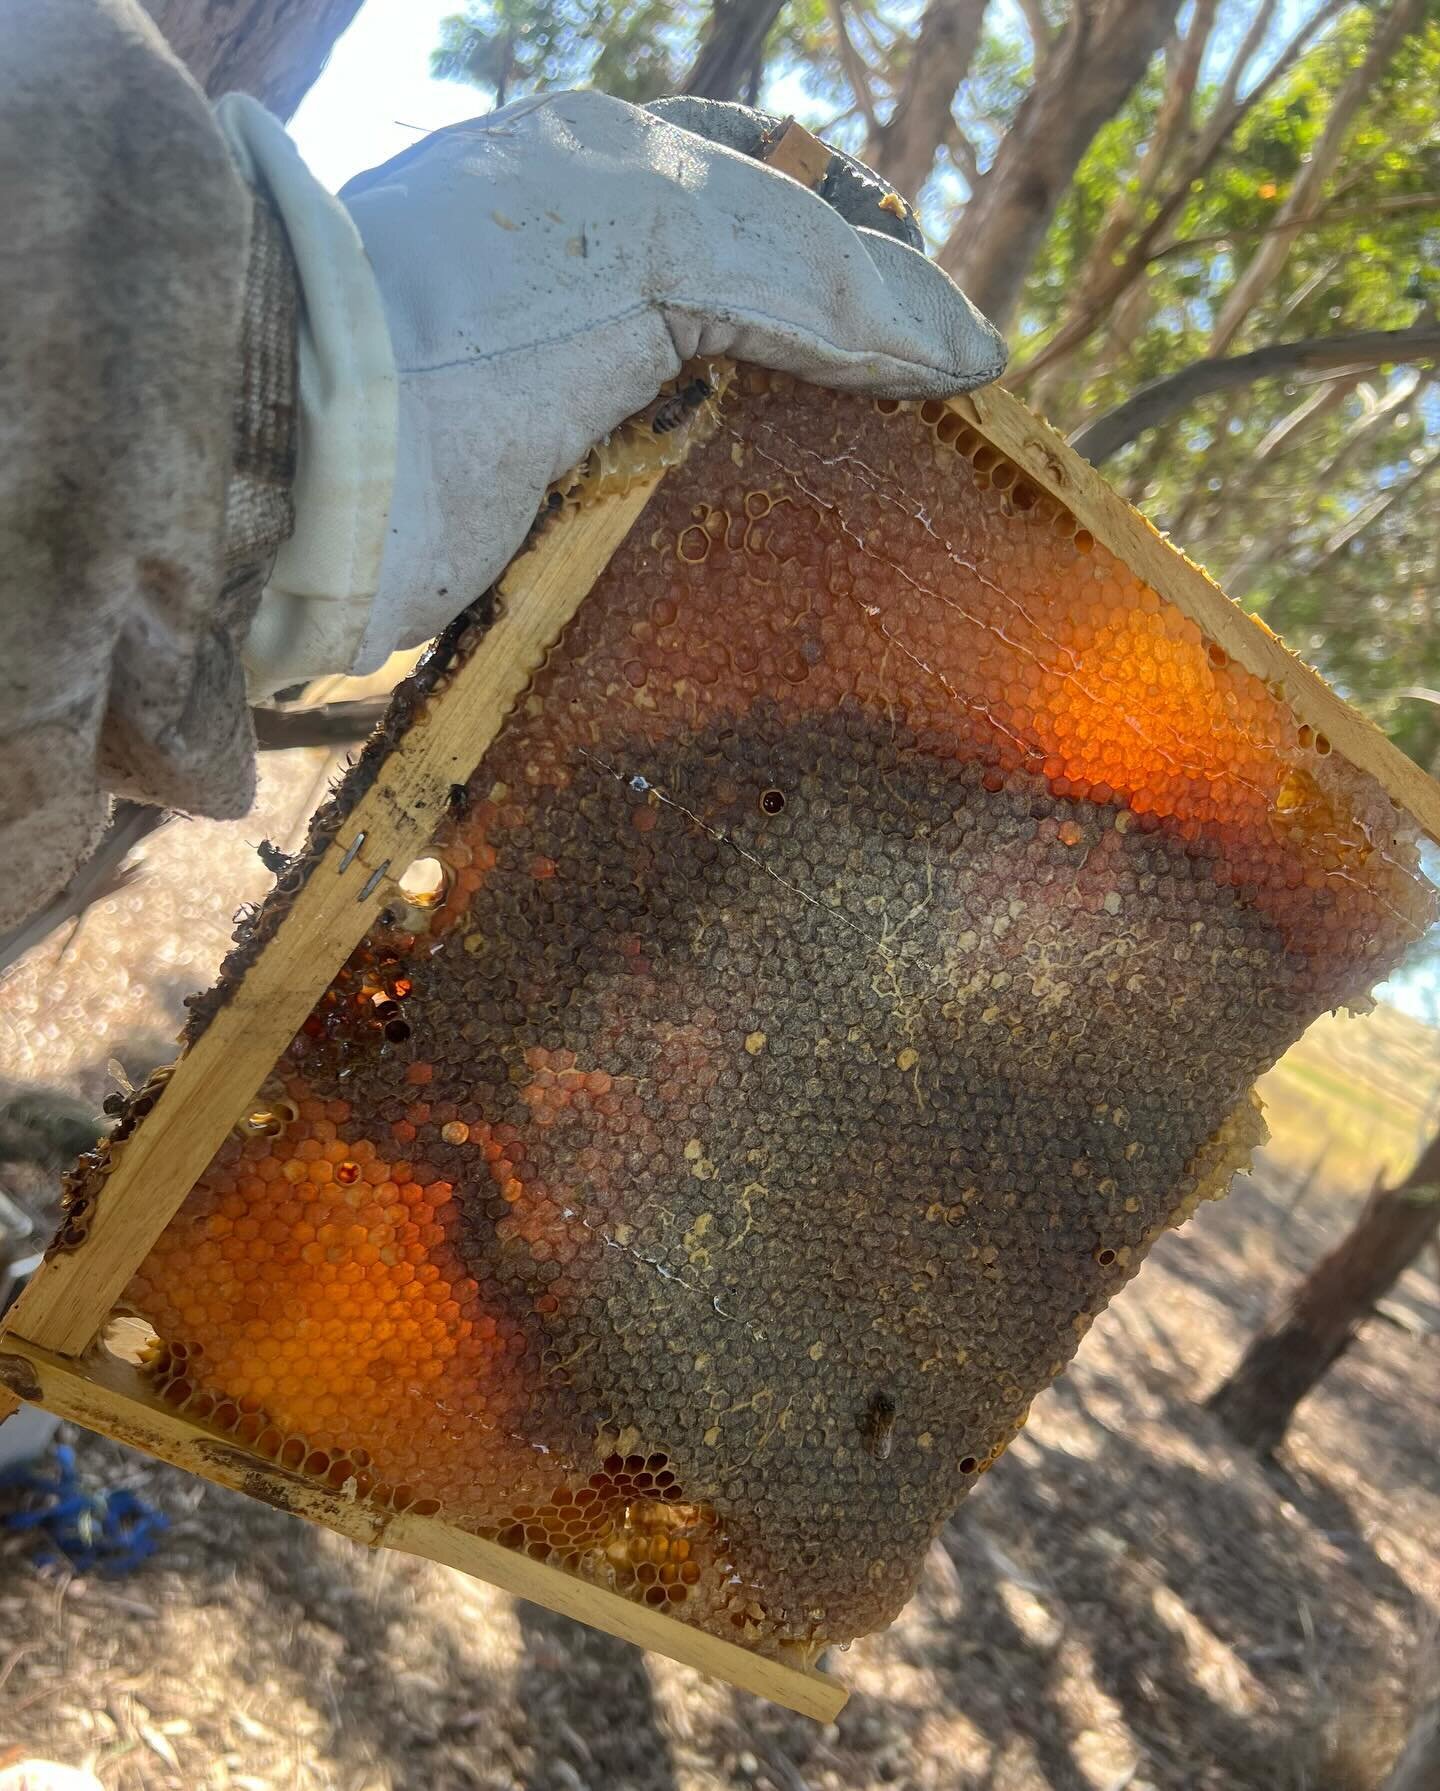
[1047,458]
[106,1394]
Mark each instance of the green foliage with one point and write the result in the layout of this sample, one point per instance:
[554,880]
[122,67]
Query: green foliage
[1110,172]
[513,47]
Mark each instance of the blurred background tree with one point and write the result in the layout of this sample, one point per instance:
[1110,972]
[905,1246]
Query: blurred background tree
[1132,187]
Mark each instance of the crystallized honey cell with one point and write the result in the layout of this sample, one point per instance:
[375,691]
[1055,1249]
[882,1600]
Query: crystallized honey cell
[858,946]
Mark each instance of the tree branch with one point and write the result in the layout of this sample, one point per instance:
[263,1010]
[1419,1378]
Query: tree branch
[882,50]
[1172,123]
[1224,118]
[270,48]
[1094,67]
[1372,512]
[963,150]
[732,44]
[1249,44]
[108,870]
[1251,285]
[824,129]
[853,64]
[1329,393]
[904,148]
[327,724]
[104,873]
[1363,430]
[1165,398]
[1367,209]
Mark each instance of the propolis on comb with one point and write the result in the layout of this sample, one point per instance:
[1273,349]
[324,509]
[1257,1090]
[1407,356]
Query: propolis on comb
[858,945]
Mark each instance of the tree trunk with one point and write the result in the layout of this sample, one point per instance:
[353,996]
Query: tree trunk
[729,60]
[1271,255]
[274,49]
[1317,1322]
[1106,47]
[904,148]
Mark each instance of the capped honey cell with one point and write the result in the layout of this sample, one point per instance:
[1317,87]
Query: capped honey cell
[857,947]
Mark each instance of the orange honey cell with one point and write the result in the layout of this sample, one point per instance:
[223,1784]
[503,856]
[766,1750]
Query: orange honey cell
[857,948]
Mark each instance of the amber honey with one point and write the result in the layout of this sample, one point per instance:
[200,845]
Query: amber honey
[857,948]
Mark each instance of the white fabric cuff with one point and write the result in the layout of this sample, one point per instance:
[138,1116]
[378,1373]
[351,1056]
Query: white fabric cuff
[312,616]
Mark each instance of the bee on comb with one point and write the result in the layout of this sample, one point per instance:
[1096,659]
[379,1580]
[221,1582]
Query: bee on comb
[878,1426]
[669,412]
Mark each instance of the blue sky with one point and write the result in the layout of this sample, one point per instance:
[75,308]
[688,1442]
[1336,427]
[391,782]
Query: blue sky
[375,96]
[376,89]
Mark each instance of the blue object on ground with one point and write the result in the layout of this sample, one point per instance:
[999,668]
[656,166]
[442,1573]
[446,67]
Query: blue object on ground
[104,1532]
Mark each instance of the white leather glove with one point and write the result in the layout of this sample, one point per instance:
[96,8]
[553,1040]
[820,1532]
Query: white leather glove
[543,270]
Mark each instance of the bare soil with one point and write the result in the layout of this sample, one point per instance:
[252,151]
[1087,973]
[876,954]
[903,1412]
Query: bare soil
[1125,1601]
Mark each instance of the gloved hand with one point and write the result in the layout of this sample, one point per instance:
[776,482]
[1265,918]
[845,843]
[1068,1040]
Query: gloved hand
[543,270]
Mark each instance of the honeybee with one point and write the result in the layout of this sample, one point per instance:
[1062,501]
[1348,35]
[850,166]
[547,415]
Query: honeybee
[670,412]
[879,1426]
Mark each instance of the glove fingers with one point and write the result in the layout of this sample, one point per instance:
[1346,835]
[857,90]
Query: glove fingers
[900,328]
[576,208]
[769,272]
[860,195]
[544,270]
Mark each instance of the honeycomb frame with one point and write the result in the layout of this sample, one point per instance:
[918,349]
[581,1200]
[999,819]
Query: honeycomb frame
[382,820]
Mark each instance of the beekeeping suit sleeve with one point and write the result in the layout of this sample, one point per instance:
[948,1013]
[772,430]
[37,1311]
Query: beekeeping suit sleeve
[123,300]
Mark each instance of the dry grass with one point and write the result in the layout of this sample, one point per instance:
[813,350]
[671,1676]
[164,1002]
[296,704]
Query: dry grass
[1125,1600]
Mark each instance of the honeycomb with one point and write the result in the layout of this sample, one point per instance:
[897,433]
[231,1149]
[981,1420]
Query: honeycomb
[856,949]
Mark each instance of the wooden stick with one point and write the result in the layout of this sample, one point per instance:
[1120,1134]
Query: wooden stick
[72,1295]
[108,1395]
[795,152]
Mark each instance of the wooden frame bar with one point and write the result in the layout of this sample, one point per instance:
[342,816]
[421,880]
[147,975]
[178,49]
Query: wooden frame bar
[108,1395]
[1044,455]
[46,1337]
